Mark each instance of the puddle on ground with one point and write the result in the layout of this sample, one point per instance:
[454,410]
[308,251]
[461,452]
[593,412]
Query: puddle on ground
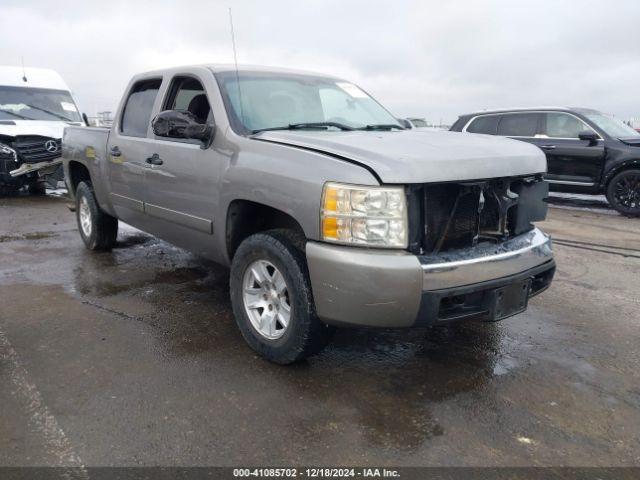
[381,386]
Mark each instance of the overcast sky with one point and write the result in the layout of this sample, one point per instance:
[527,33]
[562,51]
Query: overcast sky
[427,59]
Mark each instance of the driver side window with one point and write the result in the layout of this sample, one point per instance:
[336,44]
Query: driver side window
[187,93]
[562,125]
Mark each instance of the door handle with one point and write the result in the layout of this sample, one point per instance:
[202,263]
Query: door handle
[548,147]
[115,151]
[154,160]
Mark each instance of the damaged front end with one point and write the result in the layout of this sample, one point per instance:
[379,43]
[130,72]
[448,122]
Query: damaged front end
[29,160]
[451,216]
[481,255]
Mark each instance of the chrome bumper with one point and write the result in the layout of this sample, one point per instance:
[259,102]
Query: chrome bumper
[481,264]
[354,286]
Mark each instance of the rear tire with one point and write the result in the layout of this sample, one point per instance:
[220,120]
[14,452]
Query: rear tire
[283,296]
[98,229]
[623,192]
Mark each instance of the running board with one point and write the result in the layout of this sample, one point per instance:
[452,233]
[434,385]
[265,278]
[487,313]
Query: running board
[568,182]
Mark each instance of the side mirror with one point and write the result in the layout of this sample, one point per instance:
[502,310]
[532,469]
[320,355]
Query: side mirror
[85,119]
[589,135]
[182,124]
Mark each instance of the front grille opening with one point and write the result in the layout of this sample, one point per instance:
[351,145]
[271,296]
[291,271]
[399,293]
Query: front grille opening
[34,148]
[461,215]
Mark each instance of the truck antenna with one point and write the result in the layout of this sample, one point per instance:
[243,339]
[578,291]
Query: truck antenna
[235,61]
[24,72]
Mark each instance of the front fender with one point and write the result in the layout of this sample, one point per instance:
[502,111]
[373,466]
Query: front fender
[614,169]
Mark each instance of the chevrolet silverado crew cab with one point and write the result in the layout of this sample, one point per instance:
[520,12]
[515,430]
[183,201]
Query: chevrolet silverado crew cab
[587,151]
[328,212]
[35,107]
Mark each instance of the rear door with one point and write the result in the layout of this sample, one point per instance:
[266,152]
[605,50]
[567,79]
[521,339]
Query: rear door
[129,147]
[181,187]
[571,161]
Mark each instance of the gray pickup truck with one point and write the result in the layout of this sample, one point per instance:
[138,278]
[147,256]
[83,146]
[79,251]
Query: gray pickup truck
[328,212]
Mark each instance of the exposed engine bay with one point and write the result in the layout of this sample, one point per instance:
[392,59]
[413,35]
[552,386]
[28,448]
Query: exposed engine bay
[450,216]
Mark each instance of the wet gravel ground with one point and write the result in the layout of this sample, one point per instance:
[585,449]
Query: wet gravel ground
[132,357]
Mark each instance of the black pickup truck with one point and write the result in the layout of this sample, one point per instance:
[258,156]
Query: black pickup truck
[587,151]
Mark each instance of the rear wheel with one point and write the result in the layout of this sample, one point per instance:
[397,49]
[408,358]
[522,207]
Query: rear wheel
[272,300]
[98,229]
[623,192]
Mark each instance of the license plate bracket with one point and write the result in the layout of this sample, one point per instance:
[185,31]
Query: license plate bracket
[509,300]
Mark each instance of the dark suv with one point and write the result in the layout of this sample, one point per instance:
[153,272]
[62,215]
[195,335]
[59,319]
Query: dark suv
[587,151]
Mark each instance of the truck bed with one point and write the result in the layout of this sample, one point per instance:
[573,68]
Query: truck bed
[84,143]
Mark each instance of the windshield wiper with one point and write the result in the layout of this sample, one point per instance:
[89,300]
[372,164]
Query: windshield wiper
[302,126]
[54,114]
[383,126]
[15,114]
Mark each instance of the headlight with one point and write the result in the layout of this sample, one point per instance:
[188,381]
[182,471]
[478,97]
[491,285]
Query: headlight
[366,216]
[6,151]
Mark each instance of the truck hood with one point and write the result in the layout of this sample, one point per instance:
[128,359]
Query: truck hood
[410,156]
[44,128]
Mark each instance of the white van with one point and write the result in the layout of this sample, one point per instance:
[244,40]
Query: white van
[35,107]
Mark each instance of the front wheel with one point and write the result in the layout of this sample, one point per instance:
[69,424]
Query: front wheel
[623,192]
[98,229]
[272,300]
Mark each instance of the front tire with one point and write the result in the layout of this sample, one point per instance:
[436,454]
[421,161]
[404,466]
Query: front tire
[98,229]
[272,299]
[623,192]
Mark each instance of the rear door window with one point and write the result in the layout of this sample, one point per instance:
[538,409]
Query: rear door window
[518,124]
[138,109]
[487,124]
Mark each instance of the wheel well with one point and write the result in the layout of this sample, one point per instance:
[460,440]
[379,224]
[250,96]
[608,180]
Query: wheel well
[627,165]
[77,173]
[244,218]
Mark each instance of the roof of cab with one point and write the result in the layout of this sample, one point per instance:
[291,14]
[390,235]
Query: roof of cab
[230,67]
[35,78]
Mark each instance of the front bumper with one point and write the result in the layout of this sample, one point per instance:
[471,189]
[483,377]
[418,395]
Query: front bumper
[382,288]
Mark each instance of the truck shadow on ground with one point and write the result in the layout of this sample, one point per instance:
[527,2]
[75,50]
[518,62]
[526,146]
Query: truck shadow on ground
[379,385]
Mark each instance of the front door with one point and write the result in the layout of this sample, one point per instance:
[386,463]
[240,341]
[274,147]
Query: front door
[182,179]
[127,151]
[570,161]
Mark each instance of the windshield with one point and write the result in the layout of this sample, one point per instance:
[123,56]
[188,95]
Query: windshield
[274,100]
[612,126]
[19,103]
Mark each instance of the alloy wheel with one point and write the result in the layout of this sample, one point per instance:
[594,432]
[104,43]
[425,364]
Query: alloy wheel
[266,299]
[626,191]
[85,217]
